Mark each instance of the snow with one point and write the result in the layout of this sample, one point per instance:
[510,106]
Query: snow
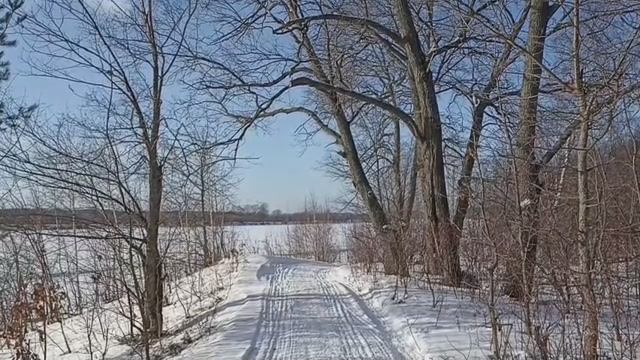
[236,319]
[266,307]
[272,239]
[101,332]
[453,327]
[291,309]
[282,308]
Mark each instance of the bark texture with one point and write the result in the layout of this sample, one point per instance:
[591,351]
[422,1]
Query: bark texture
[520,272]
[444,238]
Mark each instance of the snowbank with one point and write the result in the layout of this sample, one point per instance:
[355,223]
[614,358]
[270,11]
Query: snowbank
[104,331]
[454,326]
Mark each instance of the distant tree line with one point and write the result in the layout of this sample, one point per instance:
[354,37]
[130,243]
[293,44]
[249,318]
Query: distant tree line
[88,218]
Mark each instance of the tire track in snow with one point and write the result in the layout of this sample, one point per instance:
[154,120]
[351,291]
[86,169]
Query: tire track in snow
[372,332]
[346,339]
[276,313]
[360,343]
[309,316]
[364,344]
[278,333]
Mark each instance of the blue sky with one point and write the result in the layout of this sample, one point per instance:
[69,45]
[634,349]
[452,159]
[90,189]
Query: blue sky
[284,173]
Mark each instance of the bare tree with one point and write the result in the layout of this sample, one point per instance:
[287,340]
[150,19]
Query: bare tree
[202,167]
[320,31]
[124,55]
[528,168]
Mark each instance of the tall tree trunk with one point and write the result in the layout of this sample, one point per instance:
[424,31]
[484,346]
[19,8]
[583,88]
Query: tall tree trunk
[443,239]
[363,187]
[587,248]
[586,242]
[399,240]
[521,271]
[206,249]
[360,180]
[471,154]
[411,188]
[153,262]
[154,284]
[463,199]
[397,169]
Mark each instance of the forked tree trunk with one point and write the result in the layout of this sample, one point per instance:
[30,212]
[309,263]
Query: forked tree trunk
[443,240]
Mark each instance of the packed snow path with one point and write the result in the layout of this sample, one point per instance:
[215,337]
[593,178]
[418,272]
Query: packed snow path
[305,315]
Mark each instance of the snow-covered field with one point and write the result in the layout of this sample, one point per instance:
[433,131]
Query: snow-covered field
[271,239]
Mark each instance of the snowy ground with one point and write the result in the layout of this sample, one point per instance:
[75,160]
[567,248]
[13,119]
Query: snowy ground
[295,309]
[103,332]
[282,308]
[443,324]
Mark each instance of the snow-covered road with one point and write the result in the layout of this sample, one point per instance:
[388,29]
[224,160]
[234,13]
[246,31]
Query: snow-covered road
[294,310]
[305,315]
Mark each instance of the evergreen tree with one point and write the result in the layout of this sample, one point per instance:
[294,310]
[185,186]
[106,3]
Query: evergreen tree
[10,16]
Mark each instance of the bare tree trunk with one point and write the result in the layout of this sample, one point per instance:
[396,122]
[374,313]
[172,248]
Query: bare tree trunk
[444,242]
[585,237]
[411,190]
[360,180]
[206,250]
[521,271]
[153,263]
[397,169]
[587,248]
[471,154]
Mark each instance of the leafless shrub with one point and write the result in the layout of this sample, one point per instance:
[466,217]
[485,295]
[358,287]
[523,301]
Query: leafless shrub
[316,238]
